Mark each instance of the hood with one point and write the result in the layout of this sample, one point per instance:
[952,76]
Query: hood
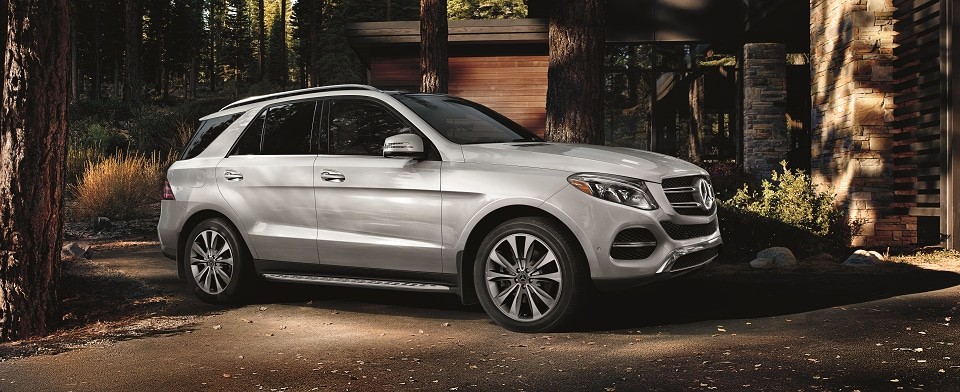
[580,158]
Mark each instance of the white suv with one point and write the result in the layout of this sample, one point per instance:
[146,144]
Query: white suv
[352,186]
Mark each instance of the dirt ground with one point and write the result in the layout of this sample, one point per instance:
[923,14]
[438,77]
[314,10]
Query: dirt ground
[130,324]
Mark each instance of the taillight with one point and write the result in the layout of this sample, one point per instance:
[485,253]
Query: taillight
[167,191]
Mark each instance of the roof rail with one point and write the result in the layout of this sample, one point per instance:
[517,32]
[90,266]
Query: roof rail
[284,94]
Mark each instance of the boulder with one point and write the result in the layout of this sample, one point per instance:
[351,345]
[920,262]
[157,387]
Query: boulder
[779,257]
[75,250]
[864,258]
[762,263]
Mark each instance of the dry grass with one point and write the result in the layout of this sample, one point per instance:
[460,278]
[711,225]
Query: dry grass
[118,187]
[933,259]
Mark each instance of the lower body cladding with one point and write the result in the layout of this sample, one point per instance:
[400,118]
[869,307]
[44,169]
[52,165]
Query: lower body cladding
[628,247]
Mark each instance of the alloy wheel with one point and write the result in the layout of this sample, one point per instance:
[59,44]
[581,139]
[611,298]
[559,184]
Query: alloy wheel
[523,277]
[211,261]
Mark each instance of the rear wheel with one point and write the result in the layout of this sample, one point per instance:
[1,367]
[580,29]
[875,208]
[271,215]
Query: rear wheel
[531,276]
[218,266]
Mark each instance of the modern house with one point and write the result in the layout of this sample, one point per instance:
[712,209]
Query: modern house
[858,92]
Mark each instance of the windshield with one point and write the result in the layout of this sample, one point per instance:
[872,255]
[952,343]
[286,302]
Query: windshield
[465,122]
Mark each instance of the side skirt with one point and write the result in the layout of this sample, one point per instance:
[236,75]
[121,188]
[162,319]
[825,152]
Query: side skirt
[332,275]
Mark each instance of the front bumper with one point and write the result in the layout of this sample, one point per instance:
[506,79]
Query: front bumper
[596,223]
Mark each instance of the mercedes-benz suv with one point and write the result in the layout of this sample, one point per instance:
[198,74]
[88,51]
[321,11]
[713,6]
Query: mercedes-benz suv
[352,186]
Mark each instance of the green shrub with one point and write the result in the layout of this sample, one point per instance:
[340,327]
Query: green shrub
[118,187]
[789,212]
[789,197]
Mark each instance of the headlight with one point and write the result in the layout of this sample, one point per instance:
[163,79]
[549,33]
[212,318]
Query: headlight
[622,190]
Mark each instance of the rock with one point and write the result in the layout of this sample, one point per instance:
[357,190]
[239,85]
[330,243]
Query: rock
[100,222]
[780,257]
[864,258]
[762,263]
[75,250]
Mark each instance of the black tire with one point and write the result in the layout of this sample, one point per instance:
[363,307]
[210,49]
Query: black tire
[242,275]
[573,289]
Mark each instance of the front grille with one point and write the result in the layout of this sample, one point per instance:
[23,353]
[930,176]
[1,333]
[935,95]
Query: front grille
[679,191]
[686,232]
[694,259]
[633,244]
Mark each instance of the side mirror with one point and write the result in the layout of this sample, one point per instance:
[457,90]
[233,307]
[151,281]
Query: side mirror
[406,145]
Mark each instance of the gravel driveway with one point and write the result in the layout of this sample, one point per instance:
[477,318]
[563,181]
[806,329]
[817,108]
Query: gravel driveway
[820,327]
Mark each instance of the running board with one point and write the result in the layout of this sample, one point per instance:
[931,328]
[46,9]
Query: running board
[355,282]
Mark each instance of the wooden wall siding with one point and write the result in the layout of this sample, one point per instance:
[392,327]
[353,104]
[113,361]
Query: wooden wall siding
[916,122]
[515,86]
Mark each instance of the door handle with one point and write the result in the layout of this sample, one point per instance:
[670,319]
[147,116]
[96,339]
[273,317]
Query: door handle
[232,175]
[332,175]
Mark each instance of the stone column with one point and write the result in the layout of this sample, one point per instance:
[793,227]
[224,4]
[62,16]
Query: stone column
[851,45]
[765,138]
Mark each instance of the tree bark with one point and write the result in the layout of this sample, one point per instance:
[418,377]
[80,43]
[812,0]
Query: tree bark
[192,77]
[434,71]
[97,61]
[575,73]
[284,70]
[316,11]
[262,43]
[133,35]
[74,68]
[32,155]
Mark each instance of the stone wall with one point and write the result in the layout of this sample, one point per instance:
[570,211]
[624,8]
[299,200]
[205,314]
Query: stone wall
[765,138]
[851,45]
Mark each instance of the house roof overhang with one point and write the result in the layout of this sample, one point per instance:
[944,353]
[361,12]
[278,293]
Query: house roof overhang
[365,37]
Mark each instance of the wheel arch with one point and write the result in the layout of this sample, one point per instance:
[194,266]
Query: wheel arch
[188,226]
[466,257]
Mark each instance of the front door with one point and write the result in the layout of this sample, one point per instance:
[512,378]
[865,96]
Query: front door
[374,212]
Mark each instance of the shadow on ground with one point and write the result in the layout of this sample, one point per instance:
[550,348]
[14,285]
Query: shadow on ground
[724,292]
[719,292]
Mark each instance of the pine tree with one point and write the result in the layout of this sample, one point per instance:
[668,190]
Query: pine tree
[238,48]
[434,70]
[575,73]
[277,66]
[33,147]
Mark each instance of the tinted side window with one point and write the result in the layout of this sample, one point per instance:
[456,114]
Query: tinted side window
[289,129]
[359,127]
[280,130]
[208,131]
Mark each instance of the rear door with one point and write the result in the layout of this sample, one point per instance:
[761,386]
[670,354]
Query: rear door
[375,212]
[268,181]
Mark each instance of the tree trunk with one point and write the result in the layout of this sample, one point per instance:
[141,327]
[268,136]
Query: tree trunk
[315,19]
[192,78]
[32,155]
[97,61]
[575,73]
[284,66]
[74,68]
[133,35]
[434,69]
[262,43]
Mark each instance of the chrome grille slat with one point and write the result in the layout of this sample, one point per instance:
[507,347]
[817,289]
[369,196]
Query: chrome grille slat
[635,243]
[680,193]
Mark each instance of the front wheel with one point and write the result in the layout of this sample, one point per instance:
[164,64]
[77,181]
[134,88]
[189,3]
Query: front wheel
[531,275]
[218,266]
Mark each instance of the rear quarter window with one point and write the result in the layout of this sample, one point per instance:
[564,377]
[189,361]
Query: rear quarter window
[208,131]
